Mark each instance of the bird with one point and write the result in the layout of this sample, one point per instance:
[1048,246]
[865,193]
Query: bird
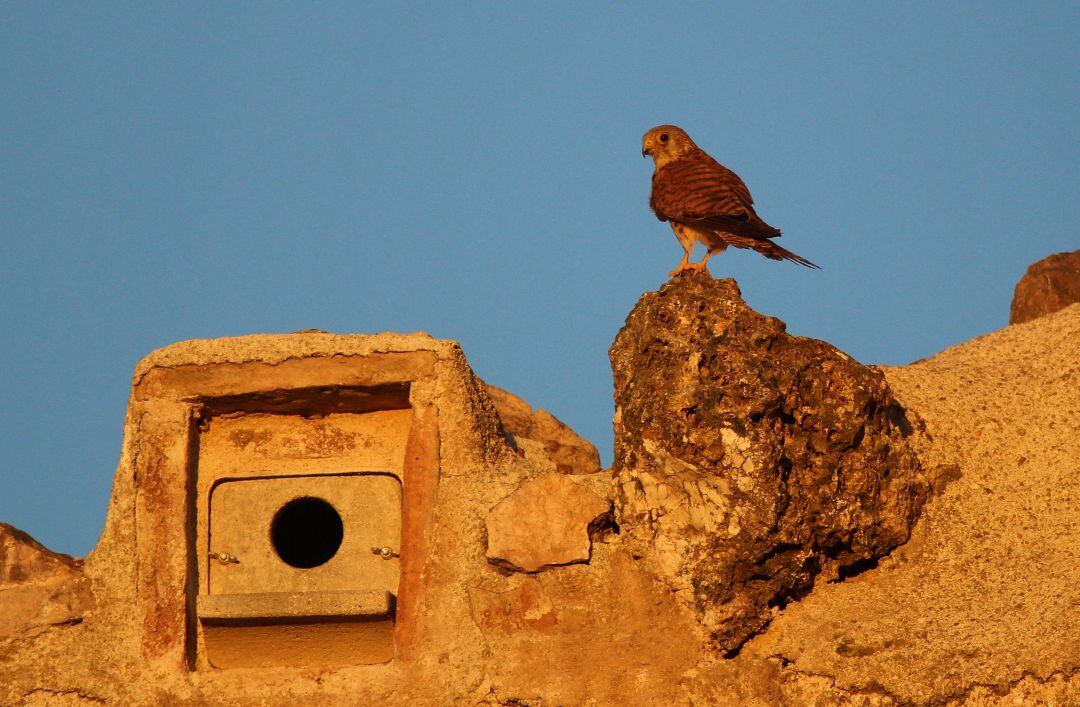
[702,200]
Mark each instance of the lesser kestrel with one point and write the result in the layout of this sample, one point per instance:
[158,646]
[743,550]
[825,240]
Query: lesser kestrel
[705,201]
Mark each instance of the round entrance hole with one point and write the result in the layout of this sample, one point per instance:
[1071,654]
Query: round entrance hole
[306,532]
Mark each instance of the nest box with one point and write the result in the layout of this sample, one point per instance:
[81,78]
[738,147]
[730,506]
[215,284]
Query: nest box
[281,505]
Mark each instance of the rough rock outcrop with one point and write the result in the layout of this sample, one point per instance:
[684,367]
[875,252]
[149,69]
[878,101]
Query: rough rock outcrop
[571,453]
[753,460]
[38,587]
[1049,285]
[981,606]
[544,523]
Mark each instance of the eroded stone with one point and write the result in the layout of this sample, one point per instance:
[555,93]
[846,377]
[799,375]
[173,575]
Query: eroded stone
[544,523]
[522,608]
[752,460]
[569,451]
[38,587]
[1049,285]
[975,609]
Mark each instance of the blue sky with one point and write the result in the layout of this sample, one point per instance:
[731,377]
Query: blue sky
[181,171]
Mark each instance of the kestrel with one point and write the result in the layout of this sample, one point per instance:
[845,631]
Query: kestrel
[705,201]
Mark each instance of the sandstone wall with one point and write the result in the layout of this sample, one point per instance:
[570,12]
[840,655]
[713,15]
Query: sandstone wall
[476,622]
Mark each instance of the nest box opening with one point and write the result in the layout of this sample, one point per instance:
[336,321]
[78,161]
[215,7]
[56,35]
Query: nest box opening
[306,532]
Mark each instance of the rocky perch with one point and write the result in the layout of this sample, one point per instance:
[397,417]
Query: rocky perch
[755,461]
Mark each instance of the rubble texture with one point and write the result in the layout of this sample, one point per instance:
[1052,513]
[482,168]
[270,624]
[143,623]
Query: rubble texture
[1049,285]
[752,459]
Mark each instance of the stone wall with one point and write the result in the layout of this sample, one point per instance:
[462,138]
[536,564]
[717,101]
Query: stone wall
[751,545]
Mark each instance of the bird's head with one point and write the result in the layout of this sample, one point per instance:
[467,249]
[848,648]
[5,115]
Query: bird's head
[665,143]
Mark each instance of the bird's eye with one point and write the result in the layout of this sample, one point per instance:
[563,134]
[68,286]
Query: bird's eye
[663,137]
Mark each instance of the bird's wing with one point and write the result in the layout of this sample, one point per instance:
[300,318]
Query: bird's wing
[699,190]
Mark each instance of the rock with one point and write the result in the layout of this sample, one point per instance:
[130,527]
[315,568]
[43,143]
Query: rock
[751,460]
[1050,284]
[979,607]
[544,523]
[570,453]
[38,587]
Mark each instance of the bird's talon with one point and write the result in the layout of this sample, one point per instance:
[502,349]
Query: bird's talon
[683,267]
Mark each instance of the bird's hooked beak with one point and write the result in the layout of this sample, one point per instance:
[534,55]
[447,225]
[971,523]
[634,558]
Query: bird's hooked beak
[645,152]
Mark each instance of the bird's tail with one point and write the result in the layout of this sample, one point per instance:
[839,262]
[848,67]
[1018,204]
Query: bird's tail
[771,250]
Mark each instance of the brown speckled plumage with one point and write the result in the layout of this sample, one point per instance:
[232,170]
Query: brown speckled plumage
[705,201]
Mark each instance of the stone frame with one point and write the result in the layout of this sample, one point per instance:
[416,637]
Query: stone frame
[170,403]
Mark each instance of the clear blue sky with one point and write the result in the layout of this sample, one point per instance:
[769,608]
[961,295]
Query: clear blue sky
[186,170]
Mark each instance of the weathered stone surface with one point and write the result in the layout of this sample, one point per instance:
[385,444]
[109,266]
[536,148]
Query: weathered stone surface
[605,633]
[571,453]
[976,609]
[980,606]
[1050,284]
[38,587]
[522,608]
[753,460]
[544,523]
